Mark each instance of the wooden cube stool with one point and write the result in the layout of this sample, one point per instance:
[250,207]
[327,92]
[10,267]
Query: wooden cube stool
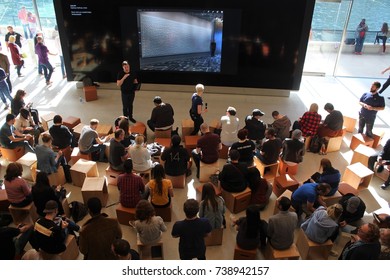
[124,214]
[310,250]
[241,254]
[178,182]
[190,142]
[95,187]
[57,178]
[360,138]
[384,175]
[333,199]
[166,142]
[76,155]
[291,253]
[46,118]
[83,169]
[138,128]
[224,152]
[357,175]
[345,188]
[334,144]
[90,93]
[237,202]
[163,133]
[146,175]
[70,122]
[187,127]
[287,167]
[12,154]
[206,170]
[271,173]
[112,176]
[378,135]
[104,129]
[67,153]
[77,131]
[150,252]
[27,214]
[4,202]
[214,238]
[349,124]
[361,154]
[72,249]
[165,213]
[27,162]
[283,183]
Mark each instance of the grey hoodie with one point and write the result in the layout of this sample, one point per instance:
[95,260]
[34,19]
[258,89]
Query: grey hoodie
[319,227]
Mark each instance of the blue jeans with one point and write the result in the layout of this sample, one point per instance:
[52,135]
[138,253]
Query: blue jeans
[359,44]
[368,123]
[4,92]
[47,71]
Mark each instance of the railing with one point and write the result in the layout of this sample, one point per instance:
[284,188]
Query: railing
[332,35]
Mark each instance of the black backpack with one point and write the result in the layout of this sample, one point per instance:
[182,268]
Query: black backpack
[78,210]
[315,144]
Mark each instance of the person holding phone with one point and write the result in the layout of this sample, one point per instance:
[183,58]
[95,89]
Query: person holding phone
[197,110]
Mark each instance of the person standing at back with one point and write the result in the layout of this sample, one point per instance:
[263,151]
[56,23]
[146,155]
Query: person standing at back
[127,81]
[371,103]
[42,51]
[197,110]
[360,36]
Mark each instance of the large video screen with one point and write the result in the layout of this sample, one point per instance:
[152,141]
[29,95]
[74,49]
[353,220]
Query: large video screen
[248,43]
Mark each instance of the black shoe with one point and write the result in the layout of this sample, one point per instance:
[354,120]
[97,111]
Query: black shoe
[385,185]
[132,120]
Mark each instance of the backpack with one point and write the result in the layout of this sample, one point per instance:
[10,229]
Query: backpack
[315,144]
[78,210]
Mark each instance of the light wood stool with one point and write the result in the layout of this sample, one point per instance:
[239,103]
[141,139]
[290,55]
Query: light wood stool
[349,124]
[270,174]
[150,252]
[165,213]
[124,214]
[83,169]
[46,118]
[95,187]
[345,188]
[283,183]
[206,170]
[334,144]
[27,161]
[287,167]
[310,250]
[237,202]
[70,122]
[72,249]
[357,175]
[361,154]
[187,127]
[360,138]
[178,182]
[90,93]
[12,154]
[112,176]
[163,133]
[214,238]
[291,253]
[378,136]
[241,254]
[27,214]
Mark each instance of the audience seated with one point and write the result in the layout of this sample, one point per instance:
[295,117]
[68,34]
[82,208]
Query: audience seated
[25,124]
[212,207]
[131,187]
[353,209]
[308,195]
[118,152]
[383,159]
[229,127]
[281,226]
[363,246]
[48,161]
[251,230]
[161,189]
[149,226]
[385,242]
[245,147]
[90,141]
[333,123]
[191,231]
[175,158]
[42,192]
[50,231]
[261,190]
[309,122]
[281,125]
[233,176]
[140,155]
[11,138]
[18,102]
[18,191]
[98,233]
[294,148]
[162,115]
[129,138]
[322,225]
[329,175]
[122,250]
[13,240]
[271,148]
[62,137]
[207,147]
[255,126]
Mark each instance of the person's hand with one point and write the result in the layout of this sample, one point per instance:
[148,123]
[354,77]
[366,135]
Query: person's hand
[125,76]
[60,153]
[205,110]
[343,223]
[28,136]
[64,224]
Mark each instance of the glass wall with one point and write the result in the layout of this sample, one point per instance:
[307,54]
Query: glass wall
[332,49]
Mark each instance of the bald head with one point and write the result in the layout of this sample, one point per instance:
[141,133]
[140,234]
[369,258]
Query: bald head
[204,127]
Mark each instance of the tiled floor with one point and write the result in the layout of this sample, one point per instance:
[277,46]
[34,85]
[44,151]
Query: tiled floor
[64,98]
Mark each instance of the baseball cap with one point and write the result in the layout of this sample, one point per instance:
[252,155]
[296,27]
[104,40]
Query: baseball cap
[157,100]
[353,204]
[257,112]
[50,206]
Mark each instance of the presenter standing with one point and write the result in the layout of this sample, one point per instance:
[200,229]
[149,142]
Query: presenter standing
[197,110]
[127,81]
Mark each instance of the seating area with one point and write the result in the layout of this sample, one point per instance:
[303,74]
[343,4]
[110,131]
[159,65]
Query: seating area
[341,159]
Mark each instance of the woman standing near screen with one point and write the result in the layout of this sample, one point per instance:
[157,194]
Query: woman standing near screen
[197,110]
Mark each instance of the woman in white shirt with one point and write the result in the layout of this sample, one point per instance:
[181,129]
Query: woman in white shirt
[140,155]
